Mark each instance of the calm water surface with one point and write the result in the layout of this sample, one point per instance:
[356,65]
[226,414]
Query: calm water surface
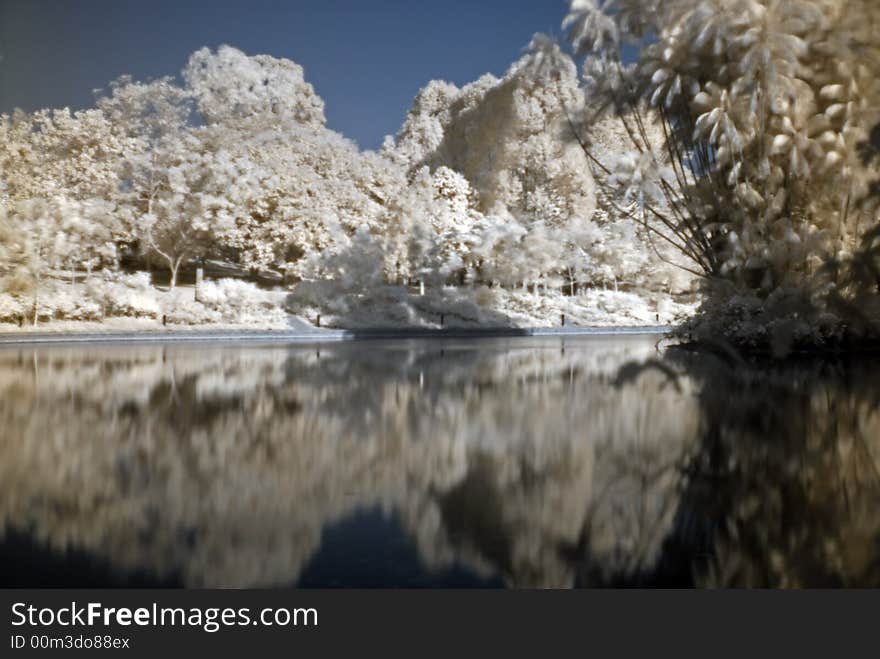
[497,462]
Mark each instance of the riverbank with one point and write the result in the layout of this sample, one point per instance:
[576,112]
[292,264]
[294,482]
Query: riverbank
[131,303]
[305,335]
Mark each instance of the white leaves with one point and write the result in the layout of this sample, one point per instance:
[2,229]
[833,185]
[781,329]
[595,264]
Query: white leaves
[780,106]
[773,94]
[148,220]
[749,196]
[718,129]
[706,122]
[787,125]
[836,111]
[674,92]
[781,144]
[832,93]
[546,60]
[776,205]
[657,96]
[798,165]
[590,29]
[660,76]
[667,79]
[791,237]
[830,139]
[703,101]
[817,124]
[229,84]
[733,176]
[669,88]
[833,160]
[641,179]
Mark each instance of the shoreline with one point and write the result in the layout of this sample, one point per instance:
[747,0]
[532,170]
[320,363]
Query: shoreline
[315,335]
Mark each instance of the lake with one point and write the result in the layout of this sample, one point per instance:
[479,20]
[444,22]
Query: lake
[505,462]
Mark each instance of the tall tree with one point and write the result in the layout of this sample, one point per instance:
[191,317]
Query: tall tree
[767,107]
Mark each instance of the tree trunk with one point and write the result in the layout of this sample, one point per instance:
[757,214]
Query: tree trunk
[36,299]
[175,265]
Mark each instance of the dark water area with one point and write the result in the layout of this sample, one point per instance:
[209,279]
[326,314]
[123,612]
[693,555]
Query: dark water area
[517,463]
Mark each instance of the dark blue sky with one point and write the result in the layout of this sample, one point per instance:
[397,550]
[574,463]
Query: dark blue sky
[366,58]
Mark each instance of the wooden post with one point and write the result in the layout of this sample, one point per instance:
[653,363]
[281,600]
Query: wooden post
[442,320]
[164,320]
[200,277]
[318,321]
[563,320]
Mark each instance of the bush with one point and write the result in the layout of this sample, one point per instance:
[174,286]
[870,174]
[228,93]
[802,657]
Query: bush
[237,301]
[12,308]
[233,293]
[125,295]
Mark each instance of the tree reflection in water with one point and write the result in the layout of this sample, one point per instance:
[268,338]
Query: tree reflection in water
[785,480]
[533,462]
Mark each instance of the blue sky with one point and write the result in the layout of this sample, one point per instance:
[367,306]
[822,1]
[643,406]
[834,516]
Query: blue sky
[366,58]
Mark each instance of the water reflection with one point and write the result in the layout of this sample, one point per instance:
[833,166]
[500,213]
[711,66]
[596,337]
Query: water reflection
[521,462]
[785,480]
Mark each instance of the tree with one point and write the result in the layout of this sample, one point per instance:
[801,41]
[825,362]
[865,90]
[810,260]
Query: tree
[315,190]
[164,173]
[311,189]
[60,179]
[55,162]
[42,235]
[765,106]
[510,140]
[229,85]
[190,201]
[429,228]
[52,152]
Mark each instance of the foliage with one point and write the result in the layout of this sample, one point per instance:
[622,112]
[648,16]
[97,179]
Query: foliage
[233,162]
[764,177]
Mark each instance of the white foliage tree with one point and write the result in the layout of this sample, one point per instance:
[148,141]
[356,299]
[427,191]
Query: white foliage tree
[45,235]
[60,180]
[312,188]
[231,86]
[429,229]
[156,116]
[767,108]
[510,139]
[481,185]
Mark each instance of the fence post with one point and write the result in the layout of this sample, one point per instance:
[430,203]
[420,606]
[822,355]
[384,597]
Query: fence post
[200,276]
